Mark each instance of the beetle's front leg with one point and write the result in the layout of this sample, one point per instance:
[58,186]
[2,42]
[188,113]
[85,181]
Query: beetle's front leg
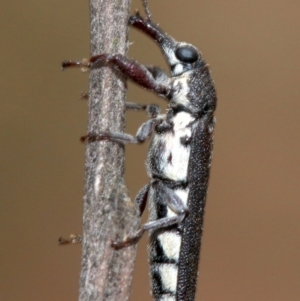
[130,68]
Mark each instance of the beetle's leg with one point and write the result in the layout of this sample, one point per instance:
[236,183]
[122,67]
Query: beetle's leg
[133,106]
[130,68]
[133,70]
[141,198]
[144,132]
[158,74]
[174,202]
[84,95]
[152,109]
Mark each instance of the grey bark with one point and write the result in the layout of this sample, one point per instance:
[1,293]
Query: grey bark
[109,214]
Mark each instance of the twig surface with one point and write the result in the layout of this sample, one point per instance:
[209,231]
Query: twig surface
[108,212]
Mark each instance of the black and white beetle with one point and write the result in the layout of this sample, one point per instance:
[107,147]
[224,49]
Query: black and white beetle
[178,161]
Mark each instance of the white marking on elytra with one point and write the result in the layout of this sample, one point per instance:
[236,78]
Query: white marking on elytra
[170,243]
[175,158]
[168,274]
[167,298]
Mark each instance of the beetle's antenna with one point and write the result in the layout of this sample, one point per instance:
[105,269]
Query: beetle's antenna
[146,7]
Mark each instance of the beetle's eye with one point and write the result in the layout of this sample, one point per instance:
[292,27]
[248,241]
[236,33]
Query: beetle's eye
[186,54]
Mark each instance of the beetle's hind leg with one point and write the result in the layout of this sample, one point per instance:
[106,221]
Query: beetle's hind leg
[141,200]
[171,199]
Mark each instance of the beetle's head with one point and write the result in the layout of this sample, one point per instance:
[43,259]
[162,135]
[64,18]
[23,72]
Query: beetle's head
[180,56]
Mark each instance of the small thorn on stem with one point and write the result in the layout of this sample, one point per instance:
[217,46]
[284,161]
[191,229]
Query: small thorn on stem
[84,95]
[73,239]
[67,64]
[84,64]
[83,138]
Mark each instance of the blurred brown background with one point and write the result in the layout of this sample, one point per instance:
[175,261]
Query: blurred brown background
[251,246]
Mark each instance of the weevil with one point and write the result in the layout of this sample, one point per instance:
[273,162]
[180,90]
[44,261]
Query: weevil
[178,160]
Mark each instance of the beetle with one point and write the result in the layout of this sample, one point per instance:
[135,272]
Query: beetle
[178,160]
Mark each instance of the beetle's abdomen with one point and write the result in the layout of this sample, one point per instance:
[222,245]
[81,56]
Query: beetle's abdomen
[168,161]
[164,247]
